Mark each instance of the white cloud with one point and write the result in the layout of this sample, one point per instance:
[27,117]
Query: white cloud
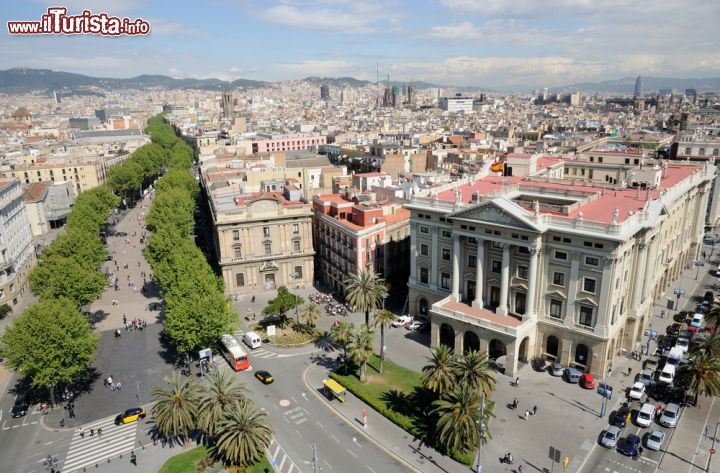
[165,27]
[351,18]
[464,30]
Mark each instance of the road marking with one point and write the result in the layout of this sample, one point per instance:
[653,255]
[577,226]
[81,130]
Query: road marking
[328,464]
[88,451]
[33,423]
[373,471]
[284,403]
[351,452]
[321,426]
[296,431]
[282,462]
[334,438]
[292,466]
[276,451]
[293,398]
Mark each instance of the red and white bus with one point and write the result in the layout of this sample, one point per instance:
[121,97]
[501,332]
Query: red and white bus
[234,353]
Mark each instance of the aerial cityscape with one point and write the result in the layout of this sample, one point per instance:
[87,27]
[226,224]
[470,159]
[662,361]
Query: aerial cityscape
[330,236]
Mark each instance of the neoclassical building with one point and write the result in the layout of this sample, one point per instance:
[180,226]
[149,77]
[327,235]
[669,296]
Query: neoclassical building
[263,240]
[554,267]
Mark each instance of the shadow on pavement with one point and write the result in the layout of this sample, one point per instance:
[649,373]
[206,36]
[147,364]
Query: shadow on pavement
[574,403]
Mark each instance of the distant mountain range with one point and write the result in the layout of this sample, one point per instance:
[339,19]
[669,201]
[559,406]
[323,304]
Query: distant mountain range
[18,80]
[626,85]
[26,80]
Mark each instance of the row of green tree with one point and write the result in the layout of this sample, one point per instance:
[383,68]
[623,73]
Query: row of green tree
[51,343]
[196,309]
[217,409]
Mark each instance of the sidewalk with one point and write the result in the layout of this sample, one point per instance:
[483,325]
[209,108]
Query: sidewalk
[395,441]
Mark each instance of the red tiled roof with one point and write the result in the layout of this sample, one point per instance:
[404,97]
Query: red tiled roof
[482,314]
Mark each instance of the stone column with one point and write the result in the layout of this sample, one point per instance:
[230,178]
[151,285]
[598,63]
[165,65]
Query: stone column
[650,267]
[572,288]
[413,253]
[358,256]
[434,249]
[456,268]
[639,275]
[532,282]
[480,268]
[504,281]
[602,321]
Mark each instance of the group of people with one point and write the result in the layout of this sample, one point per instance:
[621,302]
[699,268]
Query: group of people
[112,384]
[134,324]
[92,432]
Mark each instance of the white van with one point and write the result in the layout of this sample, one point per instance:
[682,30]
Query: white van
[675,356]
[667,374]
[252,340]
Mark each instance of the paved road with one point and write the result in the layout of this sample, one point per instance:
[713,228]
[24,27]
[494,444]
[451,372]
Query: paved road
[300,421]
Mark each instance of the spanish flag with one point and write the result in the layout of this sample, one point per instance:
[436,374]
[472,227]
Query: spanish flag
[497,167]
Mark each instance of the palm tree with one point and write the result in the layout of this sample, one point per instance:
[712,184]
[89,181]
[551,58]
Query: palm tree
[474,370]
[221,392]
[340,334]
[245,433]
[709,343]
[175,409]
[311,313]
[701,375]
[381,319]
[459,412]
[360,348]
[712,316]
[365,292]
[439,375]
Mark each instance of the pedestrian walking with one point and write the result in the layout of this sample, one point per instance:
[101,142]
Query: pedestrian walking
[82,433]
[707,431]
[92,432]
[629,371]
[517,381]
[534,410]
[526,415]
[118,385]
[124,319]
[133,458]
[520,469]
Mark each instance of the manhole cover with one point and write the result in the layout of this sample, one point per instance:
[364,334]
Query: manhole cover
[284,402]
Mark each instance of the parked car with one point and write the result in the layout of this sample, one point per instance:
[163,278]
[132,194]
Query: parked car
[655,439]
[587,381]
[646,377]
[672,330]
[645,416]
[651,362]
[610,437]
[630,445]
[414,326]
[424,327]
[402,321]
[556,369]
[670,415]
[637,391]
[571,375]
[682,316]
[620,417]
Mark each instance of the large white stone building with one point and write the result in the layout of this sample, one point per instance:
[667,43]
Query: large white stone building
[17,255]
[555,267]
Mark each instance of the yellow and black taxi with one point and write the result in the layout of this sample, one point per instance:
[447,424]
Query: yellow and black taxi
[264,376]
[130,415]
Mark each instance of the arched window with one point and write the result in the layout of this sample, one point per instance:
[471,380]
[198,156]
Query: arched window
[701,152]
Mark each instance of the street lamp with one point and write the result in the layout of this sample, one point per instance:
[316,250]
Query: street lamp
[296,276]
[712,449]
[384,296]
[482,432]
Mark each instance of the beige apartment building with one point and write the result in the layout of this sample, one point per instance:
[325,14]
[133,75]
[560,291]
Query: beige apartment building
[533,266]
[263,240]
[84,173]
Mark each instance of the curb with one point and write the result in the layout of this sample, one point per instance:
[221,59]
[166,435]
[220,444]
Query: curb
[362,432]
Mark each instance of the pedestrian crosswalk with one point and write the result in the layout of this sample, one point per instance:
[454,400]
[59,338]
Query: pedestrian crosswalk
[280,460]
[87,451]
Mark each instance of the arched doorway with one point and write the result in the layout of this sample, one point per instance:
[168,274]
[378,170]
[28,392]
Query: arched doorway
[522,353]
[496,349]
[470,342]
[582,355]
[447,336]
[552,347]
[423,307]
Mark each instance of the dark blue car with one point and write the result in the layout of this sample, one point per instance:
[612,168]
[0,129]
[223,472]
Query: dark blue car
[629,446]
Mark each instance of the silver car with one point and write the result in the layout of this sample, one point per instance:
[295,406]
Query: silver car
[610,437]
[655,439]
[556,369]
[670,414]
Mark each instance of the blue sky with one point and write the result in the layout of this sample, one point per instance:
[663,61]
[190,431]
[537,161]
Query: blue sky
[492,43]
